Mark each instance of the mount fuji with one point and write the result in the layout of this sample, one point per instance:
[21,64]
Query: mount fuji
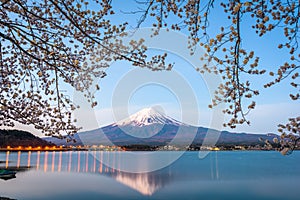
[153,128]
[148,116]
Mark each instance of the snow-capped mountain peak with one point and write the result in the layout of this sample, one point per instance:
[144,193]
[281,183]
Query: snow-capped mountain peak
[148,116]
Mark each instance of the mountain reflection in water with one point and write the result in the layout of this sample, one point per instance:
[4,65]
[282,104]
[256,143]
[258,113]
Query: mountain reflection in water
[85,162]
[145,183]
[221,175]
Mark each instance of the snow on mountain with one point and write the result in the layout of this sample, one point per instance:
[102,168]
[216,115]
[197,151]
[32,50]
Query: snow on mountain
[148,116]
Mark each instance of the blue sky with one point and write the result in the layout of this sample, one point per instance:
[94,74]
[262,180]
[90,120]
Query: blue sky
[273,104]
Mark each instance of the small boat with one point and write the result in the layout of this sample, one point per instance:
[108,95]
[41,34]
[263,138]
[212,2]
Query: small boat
[7,174]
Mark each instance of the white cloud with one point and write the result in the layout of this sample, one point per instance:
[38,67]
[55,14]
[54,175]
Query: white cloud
[265,118]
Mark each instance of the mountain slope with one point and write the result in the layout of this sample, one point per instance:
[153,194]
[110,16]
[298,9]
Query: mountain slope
[151,127]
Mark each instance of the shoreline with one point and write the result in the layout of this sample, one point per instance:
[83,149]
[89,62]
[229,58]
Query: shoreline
[40,150]
[58,150]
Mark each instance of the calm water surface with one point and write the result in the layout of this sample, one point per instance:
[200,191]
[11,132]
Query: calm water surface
[220,175]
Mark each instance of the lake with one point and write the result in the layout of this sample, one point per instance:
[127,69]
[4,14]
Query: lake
[84,175]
